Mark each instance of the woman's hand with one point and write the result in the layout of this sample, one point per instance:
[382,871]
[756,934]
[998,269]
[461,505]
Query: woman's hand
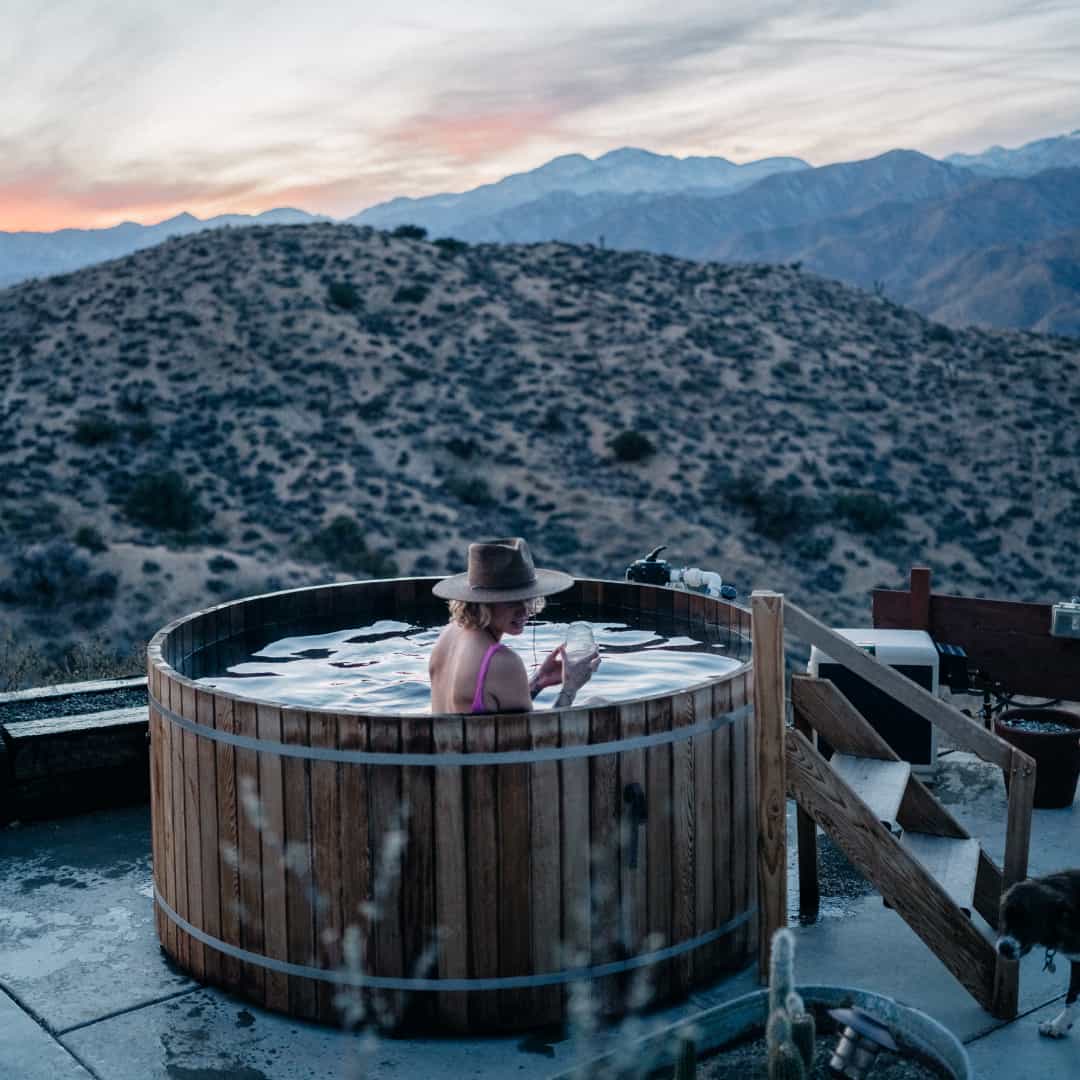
[576,673]
[549,673]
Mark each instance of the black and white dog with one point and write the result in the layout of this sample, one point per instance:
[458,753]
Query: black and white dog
[1046,912]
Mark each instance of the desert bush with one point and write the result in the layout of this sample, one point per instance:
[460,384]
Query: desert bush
[462,448]
[410,232]
[410,294]
[632,446]
[866,511]
[448,246]
[86,536]
[163,501]
[342,545]
[24,664]
[343,294]
[219,564]
[47,575]
[470,489]
[93,429]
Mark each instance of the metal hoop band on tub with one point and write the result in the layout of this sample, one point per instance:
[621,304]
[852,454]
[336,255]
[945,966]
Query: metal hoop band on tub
[498,757]
[344,977]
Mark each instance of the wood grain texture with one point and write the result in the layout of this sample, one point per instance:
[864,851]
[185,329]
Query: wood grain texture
[359,852]
[180,830]
[299,870]
[209,835]
[515,915]
[604,809]
[683,841]
[900,879]
[272,842]
[658,832]
[253,978]
[419,922]
[482,840]
[771,798]
[387,821]
[704,842]
[574,820]
[452,893]
[327,821]
[545,867]
[633,884]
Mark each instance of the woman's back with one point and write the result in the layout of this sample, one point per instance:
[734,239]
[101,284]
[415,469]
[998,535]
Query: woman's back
[455,668]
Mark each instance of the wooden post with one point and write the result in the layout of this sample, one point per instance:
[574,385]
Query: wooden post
[806,830]
[920,598]
[767,635]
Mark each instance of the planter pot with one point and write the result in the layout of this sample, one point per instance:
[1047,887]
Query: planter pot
[744,1017]
[1056,754]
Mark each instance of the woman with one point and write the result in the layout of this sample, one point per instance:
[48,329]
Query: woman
[471,672]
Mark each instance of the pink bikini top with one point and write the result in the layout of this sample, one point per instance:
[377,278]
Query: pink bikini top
[478,697]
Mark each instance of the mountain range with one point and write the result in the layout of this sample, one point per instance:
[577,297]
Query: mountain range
[917,229]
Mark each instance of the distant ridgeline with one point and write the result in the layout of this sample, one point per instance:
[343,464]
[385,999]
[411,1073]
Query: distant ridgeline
[991,239]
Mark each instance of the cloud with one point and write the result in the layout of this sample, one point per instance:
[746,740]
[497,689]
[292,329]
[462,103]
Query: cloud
[133,109]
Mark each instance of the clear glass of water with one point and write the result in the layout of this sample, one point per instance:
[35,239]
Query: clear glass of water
[580,642]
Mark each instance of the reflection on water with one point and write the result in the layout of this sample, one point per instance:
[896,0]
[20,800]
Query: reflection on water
[382,667]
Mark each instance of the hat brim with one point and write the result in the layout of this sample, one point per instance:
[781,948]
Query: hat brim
[458,588]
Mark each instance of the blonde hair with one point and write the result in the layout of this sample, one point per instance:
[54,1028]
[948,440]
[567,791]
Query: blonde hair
[476,616]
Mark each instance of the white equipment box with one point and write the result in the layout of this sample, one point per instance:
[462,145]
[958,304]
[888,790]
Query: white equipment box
[912,653]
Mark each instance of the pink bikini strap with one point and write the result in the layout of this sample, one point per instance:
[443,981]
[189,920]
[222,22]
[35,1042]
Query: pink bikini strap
[478,697]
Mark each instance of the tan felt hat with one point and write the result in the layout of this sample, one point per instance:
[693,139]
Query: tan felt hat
[501,571]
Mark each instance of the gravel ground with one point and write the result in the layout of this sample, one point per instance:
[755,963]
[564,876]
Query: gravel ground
[746,1061]
[43,708]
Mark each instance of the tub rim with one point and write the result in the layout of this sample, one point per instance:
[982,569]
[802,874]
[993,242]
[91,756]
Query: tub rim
[155,658]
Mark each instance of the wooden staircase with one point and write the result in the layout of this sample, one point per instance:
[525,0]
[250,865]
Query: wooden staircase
[923,862]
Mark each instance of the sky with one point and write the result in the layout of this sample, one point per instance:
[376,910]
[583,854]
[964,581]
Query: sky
[114,110]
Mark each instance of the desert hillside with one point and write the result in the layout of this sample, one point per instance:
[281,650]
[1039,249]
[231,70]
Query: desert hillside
[255,408]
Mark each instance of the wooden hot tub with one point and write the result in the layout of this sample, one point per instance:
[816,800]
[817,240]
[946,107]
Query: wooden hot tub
[286,871]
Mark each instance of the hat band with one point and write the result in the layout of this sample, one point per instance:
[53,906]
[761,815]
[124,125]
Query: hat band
[502,586]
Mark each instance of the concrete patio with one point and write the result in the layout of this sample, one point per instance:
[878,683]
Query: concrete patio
[86,992]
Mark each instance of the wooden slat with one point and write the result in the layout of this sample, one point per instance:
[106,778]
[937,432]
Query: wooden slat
[388,958]
[880,784]
[228,841]
[704,846]
[210,837]
[805,828]
[272,837]
[180,833]
[952,863]
[658,835]
[633,890]
[964,731]
[745,801]
[574,829]
[683,842]
[418,867]
[769,615]
[165,874]
[720,954]
[327,822]
[830,714]
[920,598]
[483,870]
[604,810]
[451,870]
[515,916]
[359,854]
[296,781]
[545,876]
[253,978]
[915,895]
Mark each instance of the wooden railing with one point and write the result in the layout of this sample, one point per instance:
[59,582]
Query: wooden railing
[771,617]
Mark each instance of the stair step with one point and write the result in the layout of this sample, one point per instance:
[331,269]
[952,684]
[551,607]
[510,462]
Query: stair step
[880,784]
[952,862]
